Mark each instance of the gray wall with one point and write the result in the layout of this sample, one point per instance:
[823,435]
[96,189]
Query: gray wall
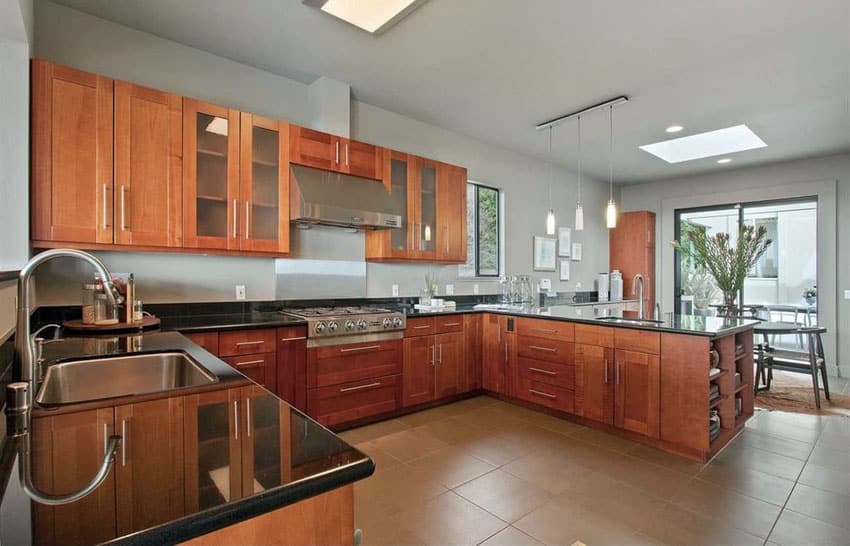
[76,39]
[826,177]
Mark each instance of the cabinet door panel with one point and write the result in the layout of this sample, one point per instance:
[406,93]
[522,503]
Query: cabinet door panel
[449,366]
[336,404]
[148,166]
[418,375]
[210,176]
[472,342]
[314,148]
[72,120]
[207,340]
[451,212]
[266,445]
[149,467]
[264,184]
[213,459]
[292,366]
[361,159]
[259,368]
[82,437]
[426,228]
[594,383]
[637,392]
[494,354]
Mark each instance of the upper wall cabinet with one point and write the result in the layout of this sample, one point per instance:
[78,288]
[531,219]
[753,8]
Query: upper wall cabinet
[72,186]
[431,198]
[106,160]
[333,153]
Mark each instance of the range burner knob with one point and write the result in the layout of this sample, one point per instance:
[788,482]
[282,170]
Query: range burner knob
[332,326]
[397,322]
[361,324]
[320,327]
[349,325]
[386,323]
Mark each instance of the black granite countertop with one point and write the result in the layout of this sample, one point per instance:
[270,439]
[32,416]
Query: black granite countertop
[294,457]
[231,321]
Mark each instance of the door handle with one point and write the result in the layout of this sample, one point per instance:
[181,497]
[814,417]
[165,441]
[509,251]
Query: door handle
[236,419]
[433,354]
[248,363]
[235,216]
[361,387]
[441,354]
[606,371]
[539,393]
[617,373]
[124,442]
[346,154]
[543,330]
[336,152]
[545,349]
[367,348]
[123,209]
[540,370]
[241,343]
[506,352]
[248,417]
[421,327]
[293,338]
[247,220]
[105,223]
[105,437]
[446,231]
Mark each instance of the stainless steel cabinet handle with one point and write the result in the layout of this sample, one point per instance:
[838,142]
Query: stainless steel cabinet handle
[446,231]
[606,370]
[249,362]
[543,330]
[452,324]
[367,348]
[241,343]
[541,370]
[105,224]
[441,354]
[361,387]
[105,436]
[506,353]
[236,419]
[235,216]
[123,211]
[124,442]
[545,349]
[422,327]
[293,338]
[546,394]
[617,373]
[248,417]
[336,152]
[433,354]
[247,220]
[346,154]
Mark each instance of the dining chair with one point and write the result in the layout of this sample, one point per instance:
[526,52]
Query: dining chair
[812,362]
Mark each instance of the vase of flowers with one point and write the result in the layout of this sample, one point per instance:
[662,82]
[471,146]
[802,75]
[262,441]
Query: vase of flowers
[728,263]
[810,295]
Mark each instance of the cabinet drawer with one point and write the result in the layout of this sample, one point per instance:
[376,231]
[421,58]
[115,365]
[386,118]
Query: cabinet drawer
[553,350]
[550,329]
[356,400]
[637,340]
[542,371]
[547,395]
[421,326]
[450,323]
[600,336]
[259,368]
[245,342]
[353,362]
[206,340]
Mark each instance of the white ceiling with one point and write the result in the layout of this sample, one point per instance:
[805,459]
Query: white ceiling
[493,69]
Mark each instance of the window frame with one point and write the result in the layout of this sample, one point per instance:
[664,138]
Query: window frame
[476,268]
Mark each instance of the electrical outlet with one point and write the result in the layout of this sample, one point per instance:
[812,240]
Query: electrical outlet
[450,290]
[395,290]
[545,284]
[475,289]
[578,286]
[847,294]
[240,291]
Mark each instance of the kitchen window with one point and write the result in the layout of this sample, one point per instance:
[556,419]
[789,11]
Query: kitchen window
[483,234]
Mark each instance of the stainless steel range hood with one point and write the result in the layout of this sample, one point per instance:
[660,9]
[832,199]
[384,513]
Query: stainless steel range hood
[325,198]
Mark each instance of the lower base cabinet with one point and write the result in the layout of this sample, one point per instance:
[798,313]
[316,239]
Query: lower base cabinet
[347,402]
[433,368]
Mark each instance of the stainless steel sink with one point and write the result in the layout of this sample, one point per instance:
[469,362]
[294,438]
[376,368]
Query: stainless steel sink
[640,322]
[85,380]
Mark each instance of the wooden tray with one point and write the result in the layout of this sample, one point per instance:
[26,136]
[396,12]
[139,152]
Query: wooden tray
[146,323]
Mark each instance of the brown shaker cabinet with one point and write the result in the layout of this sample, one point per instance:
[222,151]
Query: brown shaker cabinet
[266,442]
[472,341]
[595,383]
[636,378]
[451,214]
[72,184]
[498,368]
[434,359]
[361,159]
[631,249]
[292,366]
[449,366]
[418,375]
[395,244]
[148,167]
[314,148]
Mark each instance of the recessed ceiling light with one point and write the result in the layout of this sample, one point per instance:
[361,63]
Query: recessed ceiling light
[724,160]
[712,143]
[674,129]
[373,16]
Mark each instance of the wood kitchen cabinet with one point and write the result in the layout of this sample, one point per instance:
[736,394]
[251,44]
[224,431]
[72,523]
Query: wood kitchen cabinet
[292,365]
[418,375]
[396,244]
[631,249]
[451,214]
[252,352]
[71,161]
[266,453]
[498,353]
[595,383]
[636,399]
[472,341]
[434,360]
[333,153]
[362,159]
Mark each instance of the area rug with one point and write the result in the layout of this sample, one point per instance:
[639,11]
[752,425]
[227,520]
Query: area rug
[794,393]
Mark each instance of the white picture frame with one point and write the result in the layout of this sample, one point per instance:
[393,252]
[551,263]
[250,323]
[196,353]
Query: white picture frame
[576,252]
[545,250]
[565,240]
[564,270]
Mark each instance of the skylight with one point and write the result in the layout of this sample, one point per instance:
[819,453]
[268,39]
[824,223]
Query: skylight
[373,16]
[712,143]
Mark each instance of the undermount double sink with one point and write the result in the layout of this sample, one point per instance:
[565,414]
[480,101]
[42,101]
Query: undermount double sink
[76,381]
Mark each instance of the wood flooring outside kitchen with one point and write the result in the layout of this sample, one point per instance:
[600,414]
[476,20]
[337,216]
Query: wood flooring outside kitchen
[482,471]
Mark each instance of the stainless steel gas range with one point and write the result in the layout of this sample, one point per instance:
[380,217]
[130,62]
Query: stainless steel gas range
[328,326]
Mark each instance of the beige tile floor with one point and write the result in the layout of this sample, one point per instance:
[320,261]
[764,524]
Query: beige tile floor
[482,471]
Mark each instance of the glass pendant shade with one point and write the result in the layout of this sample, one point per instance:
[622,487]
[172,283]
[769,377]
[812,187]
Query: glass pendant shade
[611,214]
[550,222]
[579,217]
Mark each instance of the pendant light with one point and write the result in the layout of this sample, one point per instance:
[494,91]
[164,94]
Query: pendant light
[579,208]
[611,212]
[550,218]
